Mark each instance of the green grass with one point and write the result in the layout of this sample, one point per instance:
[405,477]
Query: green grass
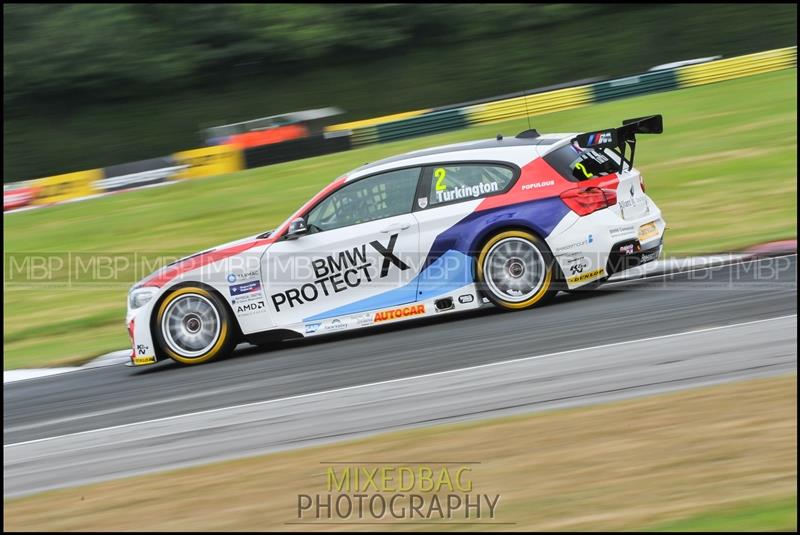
[723,173]
[780,515]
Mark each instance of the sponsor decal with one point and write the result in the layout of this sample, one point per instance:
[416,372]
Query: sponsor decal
[247,298]
[589,239]
[233,277]
[249,308]
[60,188]
[312,327]
[245,288]
[363,320]
[647,257]
[141,349]
[147,359]
[336,273]
[543,184]
[335,325]
[620,231]
[396,313]
[600,137]
[464,192]
[589,275]
[648,231]
[466,298]
[630,203]
[627,249]
[209,161]
[422,202]
[577,264]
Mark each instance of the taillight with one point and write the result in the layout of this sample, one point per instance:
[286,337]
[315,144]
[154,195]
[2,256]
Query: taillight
[584,201]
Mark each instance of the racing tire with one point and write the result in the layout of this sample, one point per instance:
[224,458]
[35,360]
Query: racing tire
[516,270]
[193,326]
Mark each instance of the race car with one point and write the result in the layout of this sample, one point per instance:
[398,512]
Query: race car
[505,222]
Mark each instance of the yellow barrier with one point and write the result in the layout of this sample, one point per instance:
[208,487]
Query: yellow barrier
[60,188]
[737,67]
[538,104]
[375,121]
[209,161]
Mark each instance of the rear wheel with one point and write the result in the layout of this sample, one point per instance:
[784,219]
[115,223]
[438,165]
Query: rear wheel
[193,326]
[516,270]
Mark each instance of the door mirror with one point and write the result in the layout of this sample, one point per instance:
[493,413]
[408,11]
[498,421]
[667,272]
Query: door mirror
[296,229]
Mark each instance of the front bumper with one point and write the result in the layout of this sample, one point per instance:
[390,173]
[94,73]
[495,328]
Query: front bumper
[143,351]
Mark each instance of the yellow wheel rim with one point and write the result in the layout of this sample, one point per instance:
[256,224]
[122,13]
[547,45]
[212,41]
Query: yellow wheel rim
[182,318]
[508,257]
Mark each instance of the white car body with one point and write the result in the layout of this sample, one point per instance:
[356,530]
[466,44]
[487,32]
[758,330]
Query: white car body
[353,276]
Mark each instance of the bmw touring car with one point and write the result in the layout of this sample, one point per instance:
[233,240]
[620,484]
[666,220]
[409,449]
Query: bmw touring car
[505,222]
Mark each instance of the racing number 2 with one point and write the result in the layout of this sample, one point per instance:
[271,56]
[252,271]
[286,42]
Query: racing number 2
[440,174]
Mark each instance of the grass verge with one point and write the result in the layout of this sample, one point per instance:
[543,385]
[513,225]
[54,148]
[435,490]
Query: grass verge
[777,515]
[722,456]
[724,174]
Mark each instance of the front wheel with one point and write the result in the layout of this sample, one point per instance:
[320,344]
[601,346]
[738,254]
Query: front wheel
[516,270]
[194,326]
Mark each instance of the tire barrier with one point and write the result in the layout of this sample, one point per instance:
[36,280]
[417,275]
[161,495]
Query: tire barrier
[400,126]
[737,67]
[429,123]
[222,159]
[650,82]
[138,174]
[532,104]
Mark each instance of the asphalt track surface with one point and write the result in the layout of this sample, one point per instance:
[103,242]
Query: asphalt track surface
[627,339]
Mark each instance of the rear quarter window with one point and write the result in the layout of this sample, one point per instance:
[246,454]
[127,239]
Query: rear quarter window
[463,182]
[576,164]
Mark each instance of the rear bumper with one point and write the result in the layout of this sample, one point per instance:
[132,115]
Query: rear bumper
[593,247]
[629,253]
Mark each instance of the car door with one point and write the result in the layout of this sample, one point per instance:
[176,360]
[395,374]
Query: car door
[361,253]
[445,208]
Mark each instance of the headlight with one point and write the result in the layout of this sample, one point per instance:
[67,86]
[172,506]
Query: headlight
[140,296]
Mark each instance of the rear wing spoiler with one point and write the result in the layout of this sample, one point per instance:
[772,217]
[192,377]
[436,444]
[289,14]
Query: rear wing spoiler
[619,138]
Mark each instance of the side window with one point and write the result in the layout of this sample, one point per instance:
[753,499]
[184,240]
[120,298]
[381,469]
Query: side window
[463,182]
[576,164]
[376,197]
